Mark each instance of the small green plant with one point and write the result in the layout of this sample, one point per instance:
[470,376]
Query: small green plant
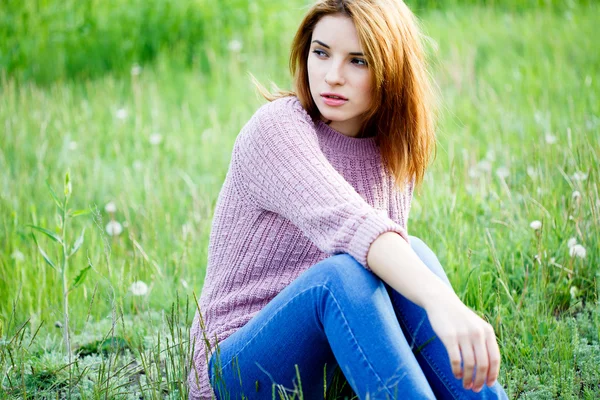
[62,266]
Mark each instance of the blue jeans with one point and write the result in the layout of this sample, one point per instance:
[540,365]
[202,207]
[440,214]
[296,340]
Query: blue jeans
[339,315]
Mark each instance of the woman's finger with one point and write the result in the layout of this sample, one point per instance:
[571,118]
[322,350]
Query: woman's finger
[494,357]
[454,355]
[481,360]
[466,349]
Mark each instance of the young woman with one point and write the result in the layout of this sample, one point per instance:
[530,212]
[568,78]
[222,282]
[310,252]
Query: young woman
[310,266]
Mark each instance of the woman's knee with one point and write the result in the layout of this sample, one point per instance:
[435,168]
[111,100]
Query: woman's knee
[342,271]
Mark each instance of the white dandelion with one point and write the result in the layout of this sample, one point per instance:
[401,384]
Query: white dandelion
[138,288]
[484,165]
[550,139]
[572,242]
[473,172]
[579,176]
[535,225]
[113,228]
[136,70]
[502,172]
[121,113]
[574,290]
[577,251]
[576,195]
[187,229]
[138,165]
[155,139]
[110,207]
[235,46]
[17,256]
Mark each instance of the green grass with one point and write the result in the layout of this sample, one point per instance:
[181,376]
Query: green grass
[521,118]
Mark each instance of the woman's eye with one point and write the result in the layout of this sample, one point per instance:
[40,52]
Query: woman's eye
[359,61]
[320,53]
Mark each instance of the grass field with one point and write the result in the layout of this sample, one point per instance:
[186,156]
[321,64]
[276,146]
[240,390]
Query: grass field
[519,142]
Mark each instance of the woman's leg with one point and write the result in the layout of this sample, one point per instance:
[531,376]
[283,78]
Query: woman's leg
[335,312]
[429,350]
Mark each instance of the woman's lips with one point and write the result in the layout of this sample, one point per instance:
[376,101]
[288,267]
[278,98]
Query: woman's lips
[333,102]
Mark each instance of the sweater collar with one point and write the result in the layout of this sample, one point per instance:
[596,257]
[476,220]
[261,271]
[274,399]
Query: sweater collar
[363,147]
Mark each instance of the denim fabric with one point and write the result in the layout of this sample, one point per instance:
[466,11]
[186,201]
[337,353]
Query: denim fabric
[339,315]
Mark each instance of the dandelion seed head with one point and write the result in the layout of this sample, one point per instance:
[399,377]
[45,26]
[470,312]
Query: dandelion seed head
[235,46]
[577,251]
[138,288]
[110,207]
[484,165]
[572,242]
[503,172]
[136,70]
[121,113]
[17,256]
[535,225]
[138,165]
[550,139]
[187,229]
[573,291]
[576,195]
[579,176]
[197,217]
[155,139]
[114,228]
[473,172]
[471,189]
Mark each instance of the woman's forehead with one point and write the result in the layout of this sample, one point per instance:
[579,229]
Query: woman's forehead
[337,32]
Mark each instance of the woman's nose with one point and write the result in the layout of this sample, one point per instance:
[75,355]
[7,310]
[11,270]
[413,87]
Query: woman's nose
[334,76]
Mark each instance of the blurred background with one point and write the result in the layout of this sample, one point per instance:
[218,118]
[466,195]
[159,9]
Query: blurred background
[140,102]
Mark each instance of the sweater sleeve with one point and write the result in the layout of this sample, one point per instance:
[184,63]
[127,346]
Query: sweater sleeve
[278,163]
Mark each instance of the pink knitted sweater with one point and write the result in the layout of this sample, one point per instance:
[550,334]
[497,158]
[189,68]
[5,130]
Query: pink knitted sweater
[295,193]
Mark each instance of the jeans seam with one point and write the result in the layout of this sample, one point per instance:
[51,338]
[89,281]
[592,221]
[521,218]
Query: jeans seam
[427,357]
[356,342]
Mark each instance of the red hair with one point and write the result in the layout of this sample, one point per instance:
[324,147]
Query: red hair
[402,116]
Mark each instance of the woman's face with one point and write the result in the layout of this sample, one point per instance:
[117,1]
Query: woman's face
[337,67]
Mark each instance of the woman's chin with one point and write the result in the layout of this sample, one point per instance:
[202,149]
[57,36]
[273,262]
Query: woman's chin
[331,116]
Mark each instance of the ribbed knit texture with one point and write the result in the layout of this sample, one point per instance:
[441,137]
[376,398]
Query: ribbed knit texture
[295,193]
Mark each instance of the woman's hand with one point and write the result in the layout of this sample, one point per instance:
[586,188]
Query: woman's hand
[464,332]
[460,329]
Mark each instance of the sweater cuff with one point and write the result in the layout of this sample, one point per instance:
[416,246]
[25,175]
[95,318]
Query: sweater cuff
[368,231]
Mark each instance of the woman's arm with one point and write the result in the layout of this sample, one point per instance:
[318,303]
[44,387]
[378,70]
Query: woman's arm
[458,327]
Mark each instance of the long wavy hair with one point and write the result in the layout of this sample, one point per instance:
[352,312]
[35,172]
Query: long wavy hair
[403,109]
